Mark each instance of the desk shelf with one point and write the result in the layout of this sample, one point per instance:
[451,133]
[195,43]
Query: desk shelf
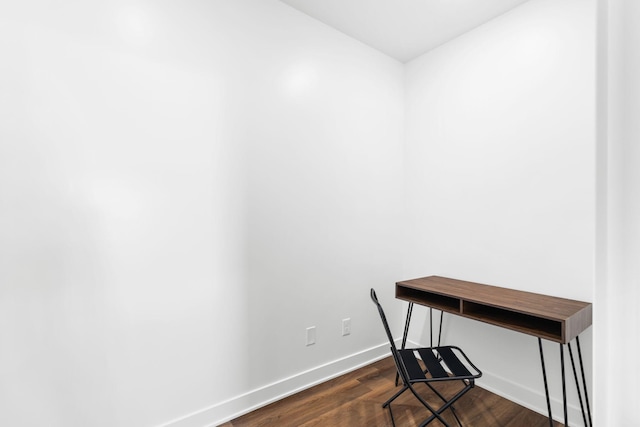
[543,316]
[520,322]
[441,302]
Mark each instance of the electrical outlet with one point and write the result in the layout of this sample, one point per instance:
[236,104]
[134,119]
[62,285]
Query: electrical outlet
[346,326]
[311,335]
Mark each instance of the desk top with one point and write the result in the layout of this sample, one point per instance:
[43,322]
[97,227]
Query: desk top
[544,316]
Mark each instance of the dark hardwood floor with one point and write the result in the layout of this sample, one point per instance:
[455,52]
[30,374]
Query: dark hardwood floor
[356,399]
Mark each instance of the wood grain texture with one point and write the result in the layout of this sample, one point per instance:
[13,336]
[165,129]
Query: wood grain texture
[553,318]
[356,399]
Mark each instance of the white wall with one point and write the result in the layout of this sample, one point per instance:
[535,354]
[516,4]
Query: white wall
[500,172]
[184,188]
[617,293]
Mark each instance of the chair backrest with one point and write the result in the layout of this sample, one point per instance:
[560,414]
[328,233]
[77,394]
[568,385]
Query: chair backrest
[374,297]
[402,370]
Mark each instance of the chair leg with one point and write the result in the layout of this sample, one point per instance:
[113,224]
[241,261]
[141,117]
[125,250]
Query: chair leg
[395,396]
[448,403]
[436,414]
[424,403]
[453,409]
[388,403]
[393,421]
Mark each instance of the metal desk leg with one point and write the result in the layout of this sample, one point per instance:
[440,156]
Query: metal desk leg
[575,377]
[584,382]
[406,325]
[406,332]
[564,387]
[440,326]
[431,326]
[585,416]
[546,386]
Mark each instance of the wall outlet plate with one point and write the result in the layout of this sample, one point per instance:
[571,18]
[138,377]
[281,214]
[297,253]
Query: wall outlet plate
[346,326]
[311,335]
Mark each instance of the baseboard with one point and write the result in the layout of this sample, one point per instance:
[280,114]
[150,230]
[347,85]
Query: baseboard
[527,397]
[227,410]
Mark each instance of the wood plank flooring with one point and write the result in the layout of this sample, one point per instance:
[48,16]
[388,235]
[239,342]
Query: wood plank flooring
[356,399]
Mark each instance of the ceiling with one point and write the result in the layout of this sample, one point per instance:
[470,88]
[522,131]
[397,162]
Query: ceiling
[404,29]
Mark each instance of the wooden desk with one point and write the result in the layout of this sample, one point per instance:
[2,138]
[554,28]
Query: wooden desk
[551,318]
[543,316]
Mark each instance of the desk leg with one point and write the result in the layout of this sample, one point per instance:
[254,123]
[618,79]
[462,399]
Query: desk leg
[564,387]
[586,416]
[440,327]
[584,382]
[546,386]
[575,377]
[430,326]
[406,325]
[406,332]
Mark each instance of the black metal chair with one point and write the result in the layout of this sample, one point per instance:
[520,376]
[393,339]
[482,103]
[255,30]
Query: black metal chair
[438,364]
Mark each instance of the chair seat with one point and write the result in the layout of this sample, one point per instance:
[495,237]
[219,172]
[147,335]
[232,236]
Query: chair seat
[441,363]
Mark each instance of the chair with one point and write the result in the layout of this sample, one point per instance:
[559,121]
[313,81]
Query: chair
[438,364]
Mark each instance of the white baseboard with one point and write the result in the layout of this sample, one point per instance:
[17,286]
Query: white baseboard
[527,397]
[227,410]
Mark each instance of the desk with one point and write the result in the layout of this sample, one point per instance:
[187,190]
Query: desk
[555,319]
